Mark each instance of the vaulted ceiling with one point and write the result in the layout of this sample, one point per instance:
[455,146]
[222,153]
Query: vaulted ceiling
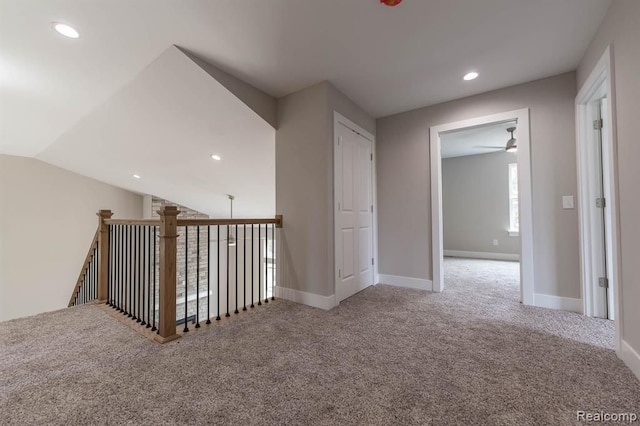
[163,127]
[387,59]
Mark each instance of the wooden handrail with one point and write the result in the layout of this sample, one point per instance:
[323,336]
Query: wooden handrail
[139,222]
[197,222]
[212,222]
[87,260]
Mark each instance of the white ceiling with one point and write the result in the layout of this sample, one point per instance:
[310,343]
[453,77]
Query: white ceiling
[477,140]
[386,59]
[164,125]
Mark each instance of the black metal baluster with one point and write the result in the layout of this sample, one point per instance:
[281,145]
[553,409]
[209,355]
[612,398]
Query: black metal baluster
[198,277]
[89,288]
[266,264]
[139,269]
[227,244]
[259,264]
[112,250]
[149,279]
[94,289]
[143,266]
[273,261]
[252,263]
[123,242]
[123,270]
[140,274]
[153,328]
[244,267]
[236,297]
[130,270]
[117,286]
[134,307]
[186,276]
[208,274]
[218,274]
[116,258]
[112,266]
[134,265]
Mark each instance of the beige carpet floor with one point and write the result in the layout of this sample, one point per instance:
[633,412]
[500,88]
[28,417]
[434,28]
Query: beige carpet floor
[471,355]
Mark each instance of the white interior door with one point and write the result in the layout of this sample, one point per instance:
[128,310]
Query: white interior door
[354,212]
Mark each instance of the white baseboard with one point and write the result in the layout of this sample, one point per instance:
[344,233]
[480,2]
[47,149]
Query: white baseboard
[481,255]
[397,281]
[630,357]
[309,299]
[557,302]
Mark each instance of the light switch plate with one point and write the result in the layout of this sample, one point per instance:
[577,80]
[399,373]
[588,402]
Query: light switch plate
[567,202]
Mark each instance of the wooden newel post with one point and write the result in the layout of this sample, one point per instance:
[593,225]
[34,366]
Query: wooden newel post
[168,250]
[103,256]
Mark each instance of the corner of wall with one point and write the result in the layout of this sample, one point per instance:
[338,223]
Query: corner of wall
[260,102]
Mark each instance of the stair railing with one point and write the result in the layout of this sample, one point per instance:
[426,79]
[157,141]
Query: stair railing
[224,266]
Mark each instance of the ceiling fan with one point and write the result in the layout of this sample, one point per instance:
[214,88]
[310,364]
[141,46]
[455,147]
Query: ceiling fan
[511,143]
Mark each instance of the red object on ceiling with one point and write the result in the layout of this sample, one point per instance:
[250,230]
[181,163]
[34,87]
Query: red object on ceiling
[391,2]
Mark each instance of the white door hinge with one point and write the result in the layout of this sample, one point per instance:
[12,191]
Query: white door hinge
[372,260]
[601,203]
[598,124]
[603,282]
[371,208]
[339,273]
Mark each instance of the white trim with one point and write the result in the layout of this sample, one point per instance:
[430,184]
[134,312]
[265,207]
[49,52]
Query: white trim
[340,119]
[524,192]
[309,299]
[512,196]
[482,255]
[394,280]
[514,233]
[557,302]
[600,83]
[630,357]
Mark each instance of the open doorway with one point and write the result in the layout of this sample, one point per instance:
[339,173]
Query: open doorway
[519,204]
[481,232]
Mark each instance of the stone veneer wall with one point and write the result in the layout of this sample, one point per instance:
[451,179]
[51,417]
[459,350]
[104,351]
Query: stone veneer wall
[191,272]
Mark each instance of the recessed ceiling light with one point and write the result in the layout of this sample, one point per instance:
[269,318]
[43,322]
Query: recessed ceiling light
[65,30]
[216,157]
[470,76]
[136,176]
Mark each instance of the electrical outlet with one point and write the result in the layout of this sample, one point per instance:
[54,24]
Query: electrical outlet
[495,242]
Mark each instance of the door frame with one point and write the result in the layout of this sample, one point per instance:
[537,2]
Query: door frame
[339,119]
[525,204]
[599,84]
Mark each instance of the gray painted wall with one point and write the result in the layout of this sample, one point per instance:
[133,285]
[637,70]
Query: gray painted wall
[304,184]
[621,29]
[404,207]
[260,102]
[475,203]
